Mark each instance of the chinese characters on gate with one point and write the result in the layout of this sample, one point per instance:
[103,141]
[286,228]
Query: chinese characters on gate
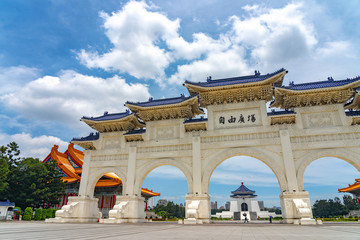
[250,118]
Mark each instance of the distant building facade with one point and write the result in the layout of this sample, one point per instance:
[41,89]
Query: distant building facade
[243,204]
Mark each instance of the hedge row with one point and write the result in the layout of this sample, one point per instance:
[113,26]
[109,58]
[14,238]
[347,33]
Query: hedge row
[40,214]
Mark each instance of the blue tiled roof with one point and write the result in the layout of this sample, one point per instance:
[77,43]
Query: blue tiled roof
[274,113]
[91,137]
[135,131]
[322,84]
[193,120]
[107,116]
[235,80]
[352,113]
[159,102]
[7,204]
[243,189]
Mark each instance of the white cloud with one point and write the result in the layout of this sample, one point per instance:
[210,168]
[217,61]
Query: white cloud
[137,34]
[36,147]
[69,96]
[13,78]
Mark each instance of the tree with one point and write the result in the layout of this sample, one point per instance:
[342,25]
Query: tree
[329,208]
[172,210]
[33,183]
[350,203]
[4,171]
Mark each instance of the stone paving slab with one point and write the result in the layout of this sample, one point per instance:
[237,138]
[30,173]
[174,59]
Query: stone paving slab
[221,231]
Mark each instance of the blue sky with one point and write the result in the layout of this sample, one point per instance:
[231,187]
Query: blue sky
[61,60]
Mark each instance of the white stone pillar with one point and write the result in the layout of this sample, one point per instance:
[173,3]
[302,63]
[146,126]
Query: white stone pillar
[295,205]
[83,191]
[129,187]
[129,207]
[197,209]
[196,168]
[289,165]
[82,208]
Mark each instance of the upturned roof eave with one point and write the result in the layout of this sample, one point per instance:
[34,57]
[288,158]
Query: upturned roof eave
[314,90]
[130,105]
[194,86]
[192,101]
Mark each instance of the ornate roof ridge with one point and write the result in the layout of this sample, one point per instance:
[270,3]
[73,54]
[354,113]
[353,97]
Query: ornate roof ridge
[162,101]
[319,84]
[216,82]
[243,189]
[91,137]
[109,116]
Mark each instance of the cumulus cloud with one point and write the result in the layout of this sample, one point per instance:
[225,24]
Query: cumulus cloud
[13,78]
[147,44]
[71,95]
[36,147]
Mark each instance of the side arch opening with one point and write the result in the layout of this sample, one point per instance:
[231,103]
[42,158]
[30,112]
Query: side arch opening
[171,183]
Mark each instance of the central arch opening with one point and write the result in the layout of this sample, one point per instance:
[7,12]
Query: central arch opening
[244,186]
[170,182]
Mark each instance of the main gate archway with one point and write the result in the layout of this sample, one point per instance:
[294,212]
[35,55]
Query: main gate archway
[316,119]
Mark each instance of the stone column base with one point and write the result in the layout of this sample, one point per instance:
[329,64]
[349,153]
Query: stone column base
[296,208]
[128,209]
[197,210]
[79,209]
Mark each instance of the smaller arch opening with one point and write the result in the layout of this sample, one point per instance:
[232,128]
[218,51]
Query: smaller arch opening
[107,187]
[171,185]
[322,179]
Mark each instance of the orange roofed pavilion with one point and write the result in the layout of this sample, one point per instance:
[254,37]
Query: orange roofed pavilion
[354,189]
[70,162]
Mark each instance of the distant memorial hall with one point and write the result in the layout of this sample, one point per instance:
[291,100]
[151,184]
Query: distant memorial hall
[243,203]
[308,121]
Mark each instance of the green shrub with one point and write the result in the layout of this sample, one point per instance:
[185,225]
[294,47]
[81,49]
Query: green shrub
[38,213]
[49,213]
[53,212]
[28,214]
[43,214]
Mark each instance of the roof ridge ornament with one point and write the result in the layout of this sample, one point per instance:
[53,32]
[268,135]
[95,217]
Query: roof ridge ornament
[330,79]
[208,79]
[257,73]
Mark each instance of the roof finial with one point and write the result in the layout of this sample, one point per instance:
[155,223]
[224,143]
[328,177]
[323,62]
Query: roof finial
[151,99]
[182,95]
[257,73]
[106,113]
[242,183]
[208,79]
[330,79]
[291,83]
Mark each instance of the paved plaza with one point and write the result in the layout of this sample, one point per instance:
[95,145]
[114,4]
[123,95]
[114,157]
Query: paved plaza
[40,230]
